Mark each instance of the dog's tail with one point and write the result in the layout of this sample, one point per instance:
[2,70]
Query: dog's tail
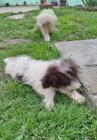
[6,60]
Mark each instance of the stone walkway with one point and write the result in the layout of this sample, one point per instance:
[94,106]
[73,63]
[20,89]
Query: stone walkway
[84,52]
[17,9]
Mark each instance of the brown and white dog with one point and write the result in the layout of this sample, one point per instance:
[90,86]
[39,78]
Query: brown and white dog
[46,77]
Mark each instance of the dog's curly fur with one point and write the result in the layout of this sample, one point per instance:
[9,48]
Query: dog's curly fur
[46,77]
[46,22]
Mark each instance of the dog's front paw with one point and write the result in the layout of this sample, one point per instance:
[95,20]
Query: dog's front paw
[81,99]
[78,97]
[49,104]
[47,38]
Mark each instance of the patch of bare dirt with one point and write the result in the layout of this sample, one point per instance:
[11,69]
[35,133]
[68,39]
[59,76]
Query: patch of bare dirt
[2,75]
[12,42]
[2,48]
[15,41]
[88,8]
[17,16]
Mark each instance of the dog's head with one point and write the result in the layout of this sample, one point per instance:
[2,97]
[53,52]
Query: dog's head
[61,75]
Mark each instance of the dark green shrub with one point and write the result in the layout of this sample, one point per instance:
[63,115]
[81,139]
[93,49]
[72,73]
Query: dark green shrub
[91,3]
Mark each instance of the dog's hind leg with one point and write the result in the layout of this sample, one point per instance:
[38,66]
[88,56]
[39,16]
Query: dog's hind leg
[45,33]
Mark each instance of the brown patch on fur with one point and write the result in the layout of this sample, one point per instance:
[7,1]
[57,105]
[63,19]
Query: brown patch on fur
[57,79]
[46,24]
[18,77]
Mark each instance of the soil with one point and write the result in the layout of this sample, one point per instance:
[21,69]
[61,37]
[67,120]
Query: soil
[12,42]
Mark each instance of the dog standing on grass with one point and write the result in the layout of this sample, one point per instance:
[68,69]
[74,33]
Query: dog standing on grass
[46,21]
[46,77]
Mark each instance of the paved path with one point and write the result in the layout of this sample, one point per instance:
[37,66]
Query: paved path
[17,9]
[84,52]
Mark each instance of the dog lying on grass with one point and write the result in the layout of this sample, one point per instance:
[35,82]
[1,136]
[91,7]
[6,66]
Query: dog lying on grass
[46,22]
[46,77]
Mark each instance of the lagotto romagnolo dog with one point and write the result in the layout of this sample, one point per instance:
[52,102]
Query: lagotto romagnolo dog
[46,77]
[46,21]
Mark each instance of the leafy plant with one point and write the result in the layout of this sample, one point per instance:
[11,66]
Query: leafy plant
[91,3]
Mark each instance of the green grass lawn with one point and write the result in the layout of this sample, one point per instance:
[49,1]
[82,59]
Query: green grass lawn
[22,113]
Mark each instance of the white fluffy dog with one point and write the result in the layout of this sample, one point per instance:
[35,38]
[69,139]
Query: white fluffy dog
[46,22]
[46,77]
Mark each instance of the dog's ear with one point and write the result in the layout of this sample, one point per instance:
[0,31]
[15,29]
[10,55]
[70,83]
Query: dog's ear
[45,82]
[71,67]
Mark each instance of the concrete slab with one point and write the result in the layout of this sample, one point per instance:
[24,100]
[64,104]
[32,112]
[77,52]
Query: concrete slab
[17,9]
[18,16]
[84,53]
